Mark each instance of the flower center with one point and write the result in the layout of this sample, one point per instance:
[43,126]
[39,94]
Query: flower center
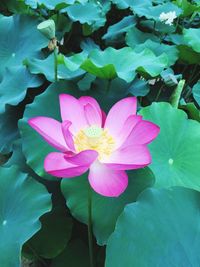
[95,138]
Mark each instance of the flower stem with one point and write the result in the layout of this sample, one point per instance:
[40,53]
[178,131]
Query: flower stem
[177,24]
[90,240]
[177,94]
[55,64]
[159,92]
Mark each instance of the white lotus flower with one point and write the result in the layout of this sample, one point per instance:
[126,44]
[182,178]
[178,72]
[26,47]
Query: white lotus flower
[168,17]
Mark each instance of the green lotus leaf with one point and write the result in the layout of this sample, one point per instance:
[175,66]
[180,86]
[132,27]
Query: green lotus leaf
[139,87]
[50,4]
[153,12]
[123,63]
[87,45]
[147,9]
[160,229]
[76,254]
[73,62]
[9,130]
[155,25]
[118,89]
[85,83]
[192,38]
[105,210]
[188,55]
[176,150]
[160,1]
[192,111]
[46,67]
[158,49]
[22,202]
[135,37]
[53,236]
[123,4]
[16,7]
[15,82]
[89,13]
[139,41]
[187,7]
[115,31]
[196,92]
[16,42]
[17,158]
[34,147]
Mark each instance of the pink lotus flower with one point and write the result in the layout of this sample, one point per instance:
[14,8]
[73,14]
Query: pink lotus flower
[88,140]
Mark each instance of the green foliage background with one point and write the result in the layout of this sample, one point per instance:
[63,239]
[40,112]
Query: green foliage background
[108,50]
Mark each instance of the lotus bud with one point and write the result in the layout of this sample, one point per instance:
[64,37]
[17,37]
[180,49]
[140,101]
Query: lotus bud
[47,28]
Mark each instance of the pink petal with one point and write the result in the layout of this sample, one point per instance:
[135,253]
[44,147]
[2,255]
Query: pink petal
[67,135]
[72,110]
[84,100]
[119,113]
[103,118]
[56,164]
[50,130]
[84,158]
[92,110]
[127,128]
[92,116]
[143,133]
[107,182]
[130,157]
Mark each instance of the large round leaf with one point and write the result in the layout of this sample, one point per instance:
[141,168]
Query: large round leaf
[123,4]
[146,8]
[153,12]
[17,158]
[139,87]
[46,67]
[176,151]
[86,13]
[9,130]
[117,30]
[135,37]
[186,53]
[46,104]
[123,63]
[196,92]
[192,111]
[188,8]
[19,39]
[192,38]
[139,40]
[105,210]
[15,82]
[22,202]
[160,229]
[50,4]
[16,7]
